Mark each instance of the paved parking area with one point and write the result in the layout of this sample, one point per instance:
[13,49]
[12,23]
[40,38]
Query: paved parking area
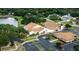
[70,46]
[30,47]
[42,44]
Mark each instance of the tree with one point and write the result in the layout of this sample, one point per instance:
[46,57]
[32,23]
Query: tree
[58,44]
[4,40]
[22,32]
[7,34]
[76,47]
[68,26]
[32,18]
[54,17]
[35,11]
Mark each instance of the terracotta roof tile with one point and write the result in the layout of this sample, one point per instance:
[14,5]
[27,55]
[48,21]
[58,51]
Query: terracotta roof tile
[33,27]
[65,36]
[51,25]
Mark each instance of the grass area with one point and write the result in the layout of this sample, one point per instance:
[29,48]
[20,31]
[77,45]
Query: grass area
[19,19]
[30,38]
[73,28]
[51,37]
[57,21]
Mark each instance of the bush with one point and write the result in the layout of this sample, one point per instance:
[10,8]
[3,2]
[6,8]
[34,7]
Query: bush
[55,17]
[68,25]
[76,47]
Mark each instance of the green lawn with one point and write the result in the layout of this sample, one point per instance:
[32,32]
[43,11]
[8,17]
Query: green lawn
[19,19]
[30,38]
[51,37]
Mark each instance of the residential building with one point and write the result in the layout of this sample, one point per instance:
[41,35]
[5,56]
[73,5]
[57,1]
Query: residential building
[46,27]
[52,26]
[65,36]
[34,28]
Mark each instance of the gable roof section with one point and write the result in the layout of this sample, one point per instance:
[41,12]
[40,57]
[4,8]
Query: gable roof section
[30,26]
[51,25]
[33,27]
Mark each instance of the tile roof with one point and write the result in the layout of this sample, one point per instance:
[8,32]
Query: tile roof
[51,25]
[65,36]
[33,27]
[37,29]
[30,26]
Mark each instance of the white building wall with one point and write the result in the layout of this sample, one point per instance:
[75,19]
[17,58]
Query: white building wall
[45,31]
[32,32]
[61,28]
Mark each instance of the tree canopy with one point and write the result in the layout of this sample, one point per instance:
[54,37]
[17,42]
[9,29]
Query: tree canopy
[37,15]
[54,17]
[76,47]
[40,11]
[7,34]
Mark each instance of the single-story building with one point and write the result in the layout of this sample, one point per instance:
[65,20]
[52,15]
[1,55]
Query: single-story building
[34,28]
[52,26]
[46,27]
[65,36]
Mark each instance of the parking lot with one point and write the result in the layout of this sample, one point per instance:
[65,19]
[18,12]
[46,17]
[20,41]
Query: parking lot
[70,46]
[42,44]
